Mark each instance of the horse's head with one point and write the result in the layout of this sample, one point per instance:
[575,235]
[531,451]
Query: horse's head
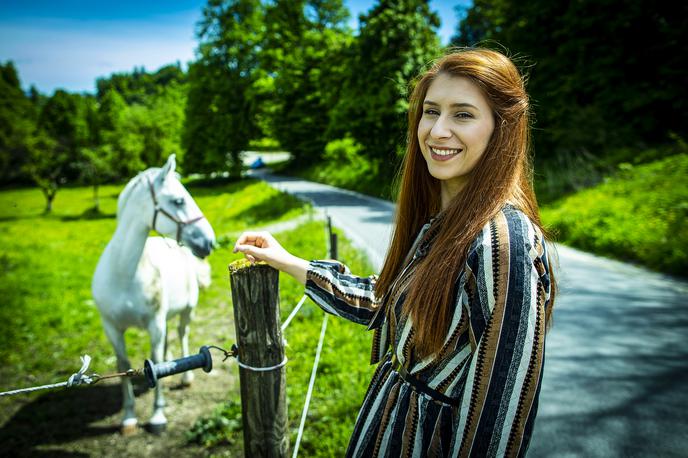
[176,214]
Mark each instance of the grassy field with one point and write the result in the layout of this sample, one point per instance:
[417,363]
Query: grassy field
[48,319]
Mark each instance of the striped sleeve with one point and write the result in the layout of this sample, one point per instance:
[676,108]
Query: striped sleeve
[330,285]
[507,321]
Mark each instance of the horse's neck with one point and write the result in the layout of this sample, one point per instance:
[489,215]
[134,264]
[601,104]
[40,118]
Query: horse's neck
[126,246]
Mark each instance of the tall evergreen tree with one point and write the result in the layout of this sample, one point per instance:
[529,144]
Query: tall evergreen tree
[221,108]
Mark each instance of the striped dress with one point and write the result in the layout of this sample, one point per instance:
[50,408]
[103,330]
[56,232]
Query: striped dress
[478,396]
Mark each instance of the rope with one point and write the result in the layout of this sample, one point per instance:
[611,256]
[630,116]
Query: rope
[75,379]
[310,386]
[293,313]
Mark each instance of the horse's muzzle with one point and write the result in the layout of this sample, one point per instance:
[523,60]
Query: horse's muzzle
[200,243]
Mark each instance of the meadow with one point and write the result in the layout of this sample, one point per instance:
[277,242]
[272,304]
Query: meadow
[48,319]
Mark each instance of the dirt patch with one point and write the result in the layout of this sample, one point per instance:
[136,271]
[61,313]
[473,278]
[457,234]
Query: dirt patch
[84,421]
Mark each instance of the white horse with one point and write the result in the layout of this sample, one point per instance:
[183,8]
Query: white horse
[142,281]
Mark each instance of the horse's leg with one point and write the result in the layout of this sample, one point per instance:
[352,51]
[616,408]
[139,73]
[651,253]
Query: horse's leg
[116,338]
[157,330]
[184,320]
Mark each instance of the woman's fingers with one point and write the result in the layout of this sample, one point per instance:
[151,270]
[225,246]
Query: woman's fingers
[258,239]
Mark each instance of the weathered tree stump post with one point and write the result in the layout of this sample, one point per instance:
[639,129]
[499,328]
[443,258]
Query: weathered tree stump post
[255,295]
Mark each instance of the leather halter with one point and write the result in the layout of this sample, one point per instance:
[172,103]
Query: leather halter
[159,209]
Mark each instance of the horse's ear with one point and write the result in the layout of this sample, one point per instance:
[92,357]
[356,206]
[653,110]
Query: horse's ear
[168,167]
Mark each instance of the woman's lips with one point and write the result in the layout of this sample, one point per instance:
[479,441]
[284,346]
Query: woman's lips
[443,154]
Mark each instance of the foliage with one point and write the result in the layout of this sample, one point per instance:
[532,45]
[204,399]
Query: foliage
[221,107]
[397,40]
[17,123]
[345,165]
[222,426]
[46,165]
[302,49]
[140,86]
[639,215]
[602,74]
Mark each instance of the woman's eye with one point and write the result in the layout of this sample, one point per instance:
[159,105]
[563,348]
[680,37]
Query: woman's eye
[431,111]
[464,115]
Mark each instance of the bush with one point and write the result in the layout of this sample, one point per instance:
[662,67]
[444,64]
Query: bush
[345,165]
[638,214]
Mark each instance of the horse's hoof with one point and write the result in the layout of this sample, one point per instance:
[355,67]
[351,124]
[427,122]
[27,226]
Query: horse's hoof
[128,429]
[157,429]
[187,383]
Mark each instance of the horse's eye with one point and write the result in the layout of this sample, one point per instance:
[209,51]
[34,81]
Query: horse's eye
[178,201]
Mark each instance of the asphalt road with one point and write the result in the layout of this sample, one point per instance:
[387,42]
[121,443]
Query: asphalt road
[616,360]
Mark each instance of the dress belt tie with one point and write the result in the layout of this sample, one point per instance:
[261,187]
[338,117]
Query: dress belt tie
[420,386]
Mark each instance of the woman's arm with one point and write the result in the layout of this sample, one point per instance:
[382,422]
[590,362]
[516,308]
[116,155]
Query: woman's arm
[507,319]
[328,283]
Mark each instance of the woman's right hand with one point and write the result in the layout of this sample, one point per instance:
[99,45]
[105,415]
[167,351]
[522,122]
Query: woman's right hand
[262,246]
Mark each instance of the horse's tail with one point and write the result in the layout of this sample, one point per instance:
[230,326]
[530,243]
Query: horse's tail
[202,273]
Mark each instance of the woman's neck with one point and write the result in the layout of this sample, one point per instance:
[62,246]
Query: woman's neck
[450,189]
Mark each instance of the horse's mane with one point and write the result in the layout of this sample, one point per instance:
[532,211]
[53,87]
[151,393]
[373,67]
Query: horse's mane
[129,188]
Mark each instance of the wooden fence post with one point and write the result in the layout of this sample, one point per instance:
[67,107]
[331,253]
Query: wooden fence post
[255,295]
[332,237]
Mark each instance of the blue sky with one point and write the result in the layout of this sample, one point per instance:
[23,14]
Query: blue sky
[68,44]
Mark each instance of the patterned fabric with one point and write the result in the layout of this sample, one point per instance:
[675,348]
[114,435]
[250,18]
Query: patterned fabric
[491,363]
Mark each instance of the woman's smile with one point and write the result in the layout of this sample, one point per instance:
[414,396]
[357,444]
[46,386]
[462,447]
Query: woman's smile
[439,153]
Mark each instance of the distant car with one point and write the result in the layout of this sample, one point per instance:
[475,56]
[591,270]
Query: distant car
[258,163]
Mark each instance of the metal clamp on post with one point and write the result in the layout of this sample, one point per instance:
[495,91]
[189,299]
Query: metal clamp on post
[153,371]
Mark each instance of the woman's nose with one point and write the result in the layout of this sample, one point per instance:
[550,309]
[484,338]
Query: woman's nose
[440,129]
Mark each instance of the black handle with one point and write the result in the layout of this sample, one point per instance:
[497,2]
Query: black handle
[153,371]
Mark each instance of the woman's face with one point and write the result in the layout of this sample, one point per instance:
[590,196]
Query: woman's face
[454,131]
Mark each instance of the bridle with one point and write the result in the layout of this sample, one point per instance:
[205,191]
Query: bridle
[159,209]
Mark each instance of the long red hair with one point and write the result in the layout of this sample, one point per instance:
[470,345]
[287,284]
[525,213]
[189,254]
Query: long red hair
[503,173]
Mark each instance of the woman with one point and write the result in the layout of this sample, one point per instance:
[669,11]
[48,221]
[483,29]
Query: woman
[462,303]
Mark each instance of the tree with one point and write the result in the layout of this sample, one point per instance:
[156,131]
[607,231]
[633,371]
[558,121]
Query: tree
[397,40]
[55,147]
[605,74]
[17,123]
[303,45]
[221,104]
[46,165]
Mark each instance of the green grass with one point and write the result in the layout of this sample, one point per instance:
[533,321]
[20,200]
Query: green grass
[637,215]
[48,318]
